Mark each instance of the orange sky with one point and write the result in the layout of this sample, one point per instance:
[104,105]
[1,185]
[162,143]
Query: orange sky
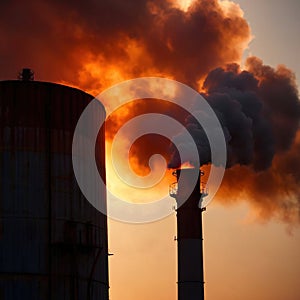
[251,243]
[245,257]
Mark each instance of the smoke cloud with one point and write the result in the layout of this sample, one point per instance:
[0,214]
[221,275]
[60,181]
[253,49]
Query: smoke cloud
[94,44]
[275,139]
[258,109]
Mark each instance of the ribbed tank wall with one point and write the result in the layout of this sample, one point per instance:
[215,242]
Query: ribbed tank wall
[53,243]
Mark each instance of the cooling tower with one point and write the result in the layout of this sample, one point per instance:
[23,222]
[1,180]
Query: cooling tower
[53,243]
[189,234]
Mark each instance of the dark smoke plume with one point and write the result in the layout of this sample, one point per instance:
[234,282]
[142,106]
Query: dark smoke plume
[258,109]
[94,44]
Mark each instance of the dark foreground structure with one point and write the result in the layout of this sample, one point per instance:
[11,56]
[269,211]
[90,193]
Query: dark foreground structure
[189,233]
[53,243]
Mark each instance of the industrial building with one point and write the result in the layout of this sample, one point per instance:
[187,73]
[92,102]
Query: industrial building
[189,211]
[53,243]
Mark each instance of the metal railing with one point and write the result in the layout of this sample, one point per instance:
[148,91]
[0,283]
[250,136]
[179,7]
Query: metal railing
[173,189]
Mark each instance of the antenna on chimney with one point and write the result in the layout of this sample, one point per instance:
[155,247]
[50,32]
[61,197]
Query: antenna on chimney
[26,75]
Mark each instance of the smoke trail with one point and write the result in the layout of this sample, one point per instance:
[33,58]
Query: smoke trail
[273,192]
[94,44]
[258,109]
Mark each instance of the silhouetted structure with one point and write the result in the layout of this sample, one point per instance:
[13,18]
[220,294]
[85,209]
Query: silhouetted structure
[53,243]
[26,75]
[189,234]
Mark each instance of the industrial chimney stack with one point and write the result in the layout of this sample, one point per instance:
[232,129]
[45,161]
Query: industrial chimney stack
[189,233]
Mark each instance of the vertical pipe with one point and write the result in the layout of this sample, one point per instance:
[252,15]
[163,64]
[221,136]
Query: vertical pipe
[189,238]
[49,192]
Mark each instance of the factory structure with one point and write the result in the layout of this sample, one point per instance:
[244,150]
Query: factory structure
[189,197]
[53,242]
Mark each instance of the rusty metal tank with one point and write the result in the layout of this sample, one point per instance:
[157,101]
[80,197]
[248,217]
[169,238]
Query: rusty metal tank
[53,243]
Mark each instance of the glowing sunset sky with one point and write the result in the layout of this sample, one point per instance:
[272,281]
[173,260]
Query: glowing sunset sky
[245,258]
[251,242]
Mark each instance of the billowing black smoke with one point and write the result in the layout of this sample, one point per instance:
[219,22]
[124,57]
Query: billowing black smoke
[259,112]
